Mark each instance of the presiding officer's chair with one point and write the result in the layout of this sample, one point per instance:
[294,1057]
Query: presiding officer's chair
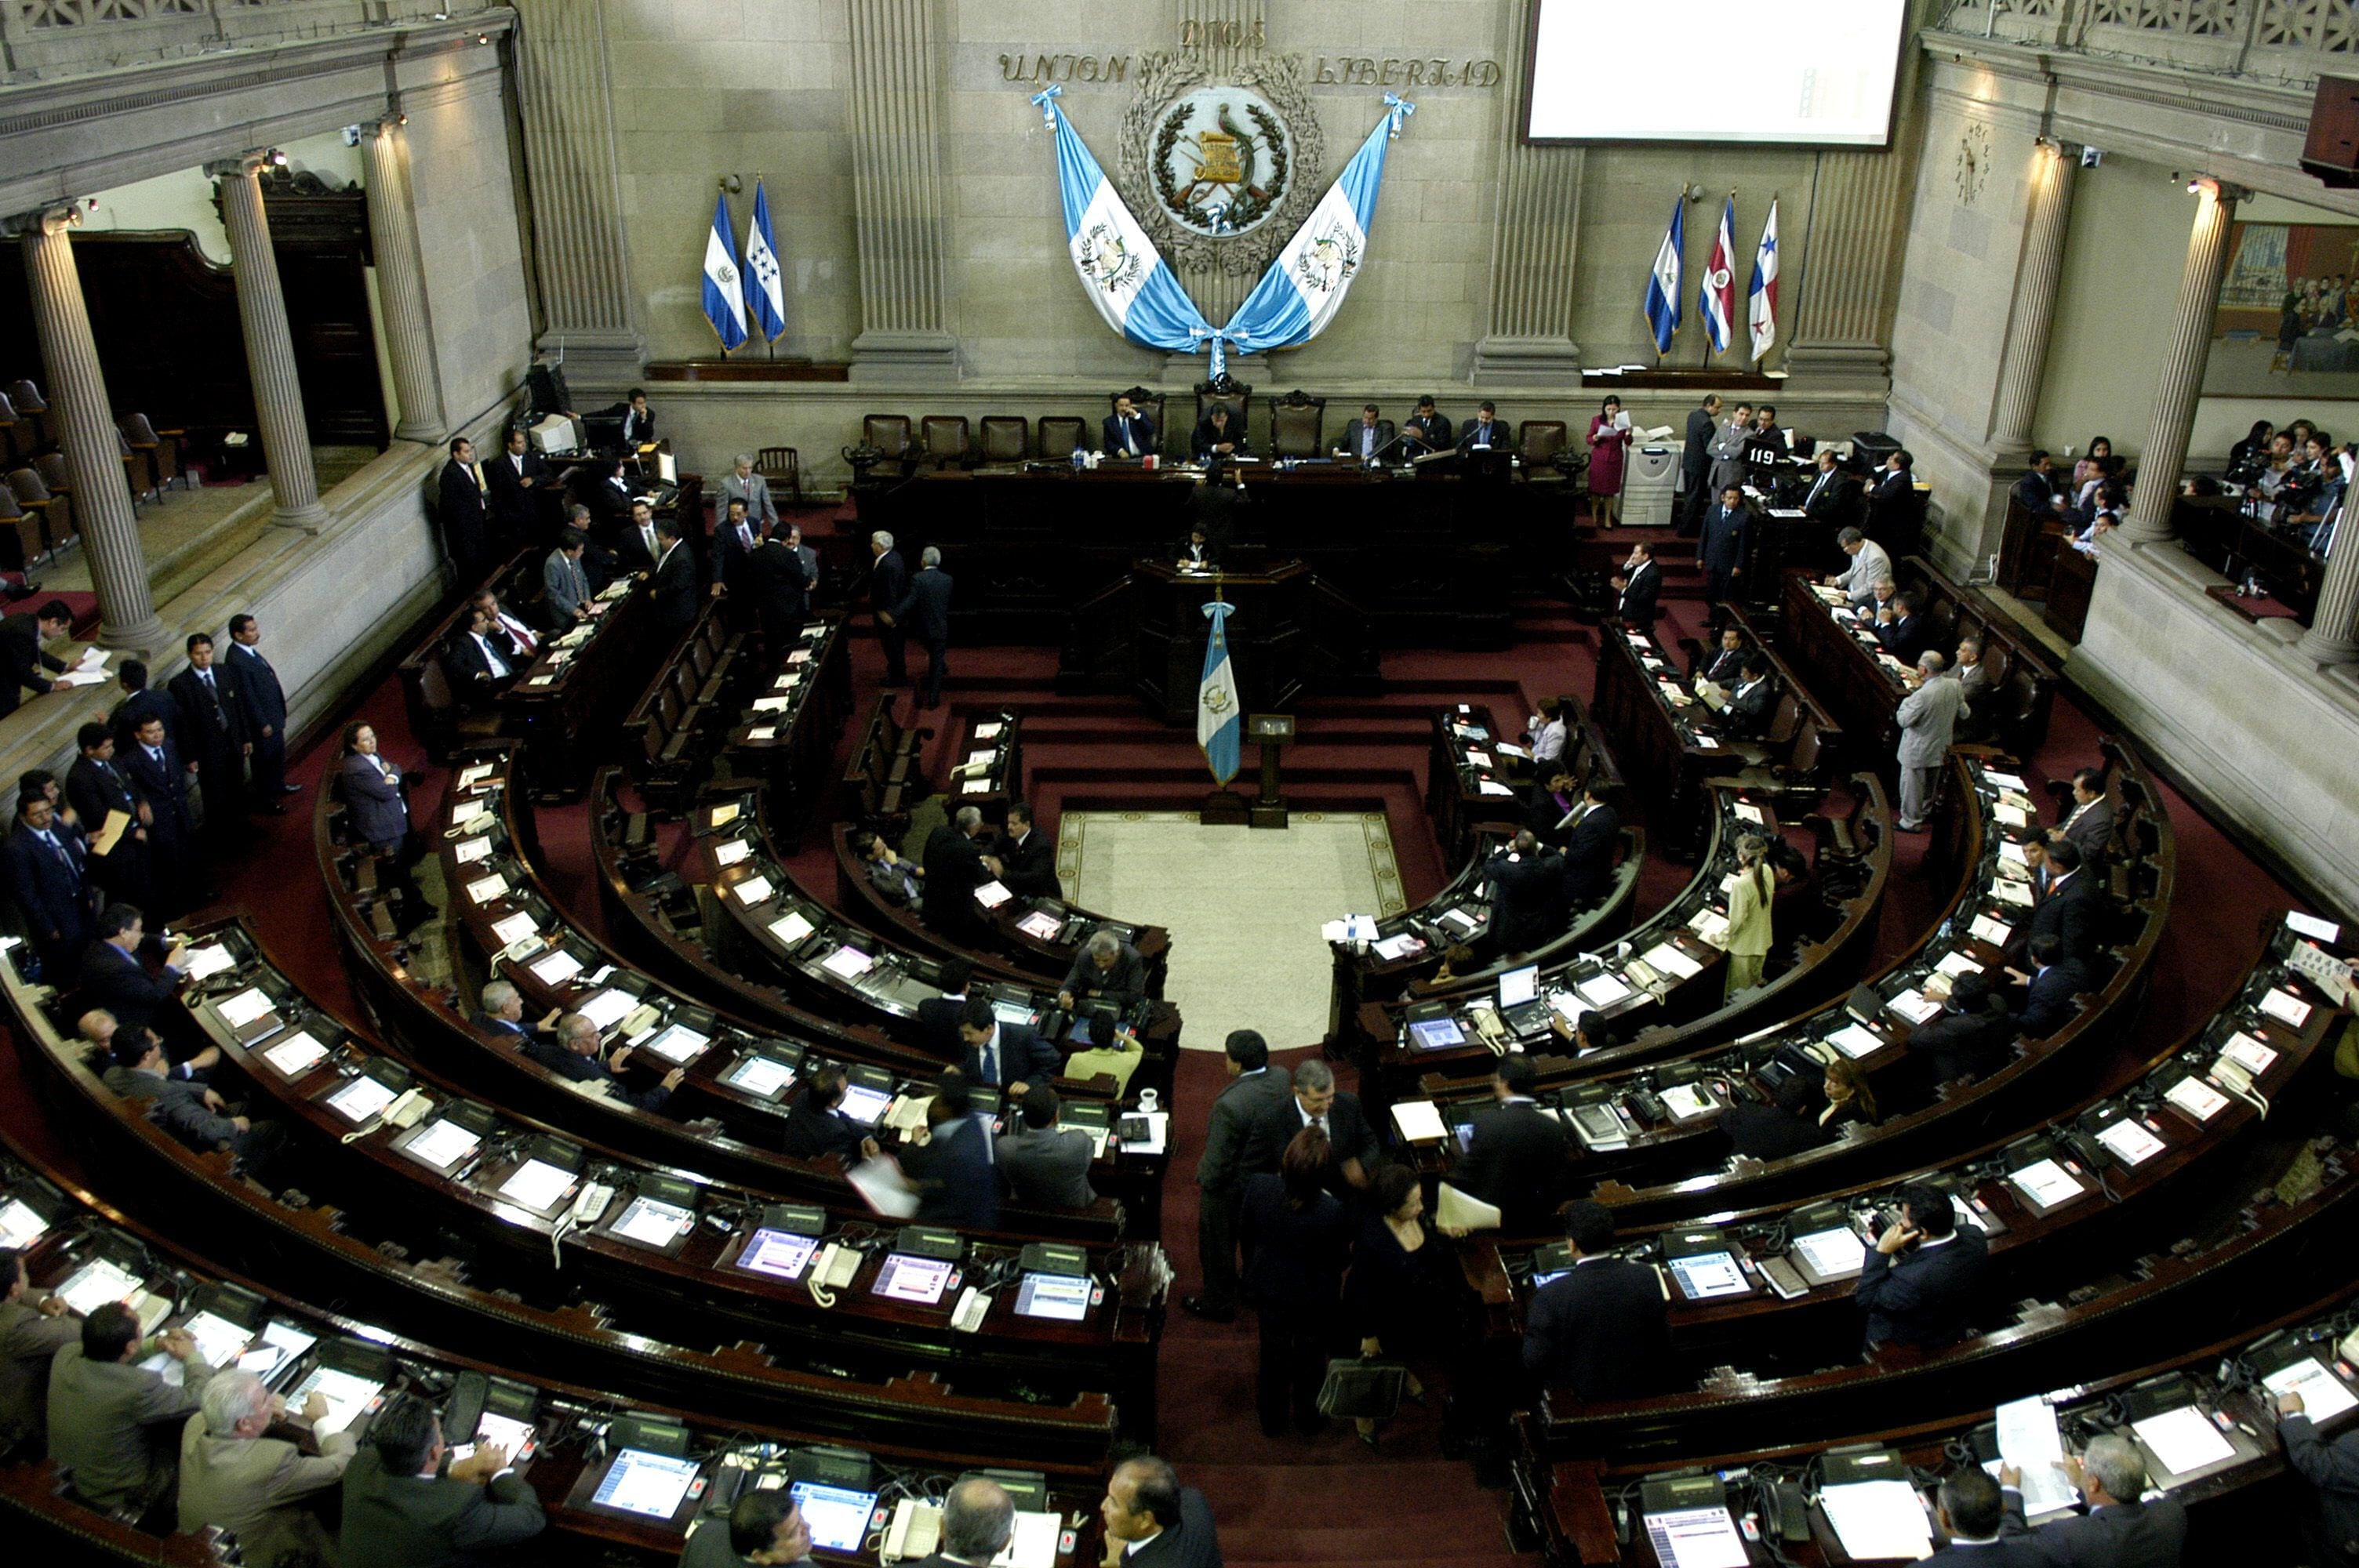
[1062,436]
[946,440]
[1005,439]
[1296,422]
[1150,403]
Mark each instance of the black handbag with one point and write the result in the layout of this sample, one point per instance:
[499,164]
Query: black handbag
[1361,1388]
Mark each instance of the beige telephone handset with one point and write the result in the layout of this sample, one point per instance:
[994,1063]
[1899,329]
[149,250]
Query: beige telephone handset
[2233,1076]
[915,1529]
[973,1308]
[836,1267]
[409,1110]
[1488,1028]
[639,1020]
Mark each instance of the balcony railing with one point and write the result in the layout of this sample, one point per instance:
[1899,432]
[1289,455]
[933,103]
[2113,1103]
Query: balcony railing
[2285,42]
[43,39]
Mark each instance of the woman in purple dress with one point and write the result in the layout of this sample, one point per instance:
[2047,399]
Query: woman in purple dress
[1608,440]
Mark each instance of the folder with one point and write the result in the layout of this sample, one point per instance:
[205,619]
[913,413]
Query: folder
[1454,1210]
[109,832]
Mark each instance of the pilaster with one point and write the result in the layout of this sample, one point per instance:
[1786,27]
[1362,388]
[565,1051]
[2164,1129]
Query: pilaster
[896,88]
[1534,242]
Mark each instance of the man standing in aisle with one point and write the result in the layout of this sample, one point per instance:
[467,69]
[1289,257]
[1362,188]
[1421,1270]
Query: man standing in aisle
[266,711]
[1237,1145]
[212,714]
[1929,720]
[924,610]
[888,580]
[1695,462]
[1727,540]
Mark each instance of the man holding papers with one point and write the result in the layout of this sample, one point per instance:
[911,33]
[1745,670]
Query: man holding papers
[2118,1530]
[1922,1275]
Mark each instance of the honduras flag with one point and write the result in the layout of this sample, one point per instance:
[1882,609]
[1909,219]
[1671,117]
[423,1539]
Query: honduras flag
[724,294]
[1220,724]
[1119,266]
[1663,285]
[1305,286]
[767,293]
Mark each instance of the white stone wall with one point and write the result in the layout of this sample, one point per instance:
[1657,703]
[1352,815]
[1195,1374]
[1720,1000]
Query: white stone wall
[463,193]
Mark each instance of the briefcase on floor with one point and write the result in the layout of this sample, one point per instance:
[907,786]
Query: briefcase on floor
[1361,1388]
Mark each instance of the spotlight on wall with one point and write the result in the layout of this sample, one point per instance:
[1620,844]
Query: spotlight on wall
[352,135]
[734,184]
[276,158]
[482,38]
[401,119]
[2092,157]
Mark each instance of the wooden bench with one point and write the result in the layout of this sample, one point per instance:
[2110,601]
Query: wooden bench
[886,778]
[679,706]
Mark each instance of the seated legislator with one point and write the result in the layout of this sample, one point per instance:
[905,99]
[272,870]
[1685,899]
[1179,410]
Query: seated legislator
[1366,439]
[575,1053]
[1805,1113]
[2056,978]
[102,1403]
[192,1113]
[1923,1276]
[1727,661]
[1126,432]
[233,1477]
[1972,1518]
[1044,1166]
[2332,1469]
[1972,1036]
[951,1170]
[761,1529]
[1636,587]
[2121,1529]
[955,865]
[481,660]
[1602,1330]
[1117,1058]
[1833,495]
[1527,894]
[815,1127]
[404,1509]
[896,881]
[113,976]
[1514,1160]
[1220,435]
[1893,496]
[1428,431]
[1107,969]
[1158,1522]
[1484,431]
[1008,1056]
[1752,701]
[501,1014]
[33,1325]
[1901,627]
[1591,830]
[1544,733]
[1028,856]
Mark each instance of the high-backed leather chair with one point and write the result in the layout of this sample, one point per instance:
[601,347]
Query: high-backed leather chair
[1296,422]
[55,512]
[1537,443]
[1236,393]
[1151,404]
[889,433]
[1062,436]
[783,467]
[1005,439]
[31,404]
[946,439]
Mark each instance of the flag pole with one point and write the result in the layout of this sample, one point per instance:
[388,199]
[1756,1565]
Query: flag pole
[770,344]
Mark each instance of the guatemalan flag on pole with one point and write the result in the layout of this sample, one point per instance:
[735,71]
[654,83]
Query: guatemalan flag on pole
[1220,724]
[766,293]
[1119,266]
[1663,285]
[1762,295]
[724,294]
[1717,298]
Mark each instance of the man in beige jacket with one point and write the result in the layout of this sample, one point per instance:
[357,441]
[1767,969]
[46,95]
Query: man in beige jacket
[234,1478]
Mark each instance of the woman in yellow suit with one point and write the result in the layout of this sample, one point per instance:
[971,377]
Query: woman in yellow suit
[1748,914]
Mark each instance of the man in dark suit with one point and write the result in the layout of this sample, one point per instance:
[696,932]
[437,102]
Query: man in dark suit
[1923,1276]
[138,704]
[1752,700]
[577,1055]
[1428,431]
[402,1510]
[674,582]
[1601,1331]
[1695,460]
[601,486]
[24,657]
[1028,856]
[924,612]
[2090,823]
[888,580]
[1157,1522]
[638,419]
[161,782]
[1238,1142]
[1197,552]
[1012,1057]
[1590,836]
[1526,895]
[642,542]
[2056,978]
[1726,663]
[1367,439]
[1125,432]
[265,701]
[2118,1530]
[2332,1471]
[1107,969]
[955,865]
[779,578]
[1484,430]
[956,1184]
[183,1105]
[1726,542]
[482,661]
[1045,1167]
[113,978]
[1514,1160]
[2071,903]
[514,485]
[49,872]
[1221,434]
[1317,1102]
[1635,586]
[464,534]
[1890,504]
[1973,1516]
[213,715]
[2036,493]
[1833,495]
[815,1127]
[377,800]
[762,1528]
[735,539]
[96,787]
[1969,1038]
[1902,629]
[896,880]
[938,1016]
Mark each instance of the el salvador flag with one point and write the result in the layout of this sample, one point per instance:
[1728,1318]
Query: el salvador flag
[724,294]
[1119,266]
[1663,285]
[1305,286]
[768,295]
[1220,724]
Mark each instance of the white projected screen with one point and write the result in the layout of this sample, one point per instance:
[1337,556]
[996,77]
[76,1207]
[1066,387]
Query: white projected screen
[1804,72]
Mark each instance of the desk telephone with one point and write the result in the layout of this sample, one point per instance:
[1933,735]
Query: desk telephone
[591,1203]
[1489,1029]
[409,1110]
[837,1265]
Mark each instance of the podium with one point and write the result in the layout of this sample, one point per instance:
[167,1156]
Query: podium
[1264,632]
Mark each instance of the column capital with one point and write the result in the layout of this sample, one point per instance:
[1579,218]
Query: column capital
[242,165]
[382,129]
[54,220]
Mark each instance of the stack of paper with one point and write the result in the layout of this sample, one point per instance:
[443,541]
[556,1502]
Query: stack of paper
[1875,1519]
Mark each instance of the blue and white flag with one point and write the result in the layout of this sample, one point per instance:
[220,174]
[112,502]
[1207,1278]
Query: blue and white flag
[1124,275]
[1663,283]
[766,290]
[724,294]
[1220,723]
[1305,286]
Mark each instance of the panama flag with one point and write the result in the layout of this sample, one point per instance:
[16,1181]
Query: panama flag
[1663,286]
[1763,291]
[1220,724]
[1119,266]
[767,297]
[1717,298]
[1305,286]
[724,294]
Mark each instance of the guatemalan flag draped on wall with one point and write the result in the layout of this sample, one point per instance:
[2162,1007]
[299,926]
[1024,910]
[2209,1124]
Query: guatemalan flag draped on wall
[1763,294]
[1717,298]
[1119,266]
[1663,283]
[1220,726]
[724,293]
[766,290]
[1305,286]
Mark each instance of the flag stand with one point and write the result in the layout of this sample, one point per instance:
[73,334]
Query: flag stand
[1224,807]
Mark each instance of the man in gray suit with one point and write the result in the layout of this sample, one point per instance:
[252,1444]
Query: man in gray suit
[742,483]
[101,1403]
[2089,826]
[1238,1142]
[1927,719]
[33,1325]
[234,1478]
[1978,685]
[1043,1167]
[565,582]
[1870,564]
[1727,451]
[400,1511]
[2119,1530]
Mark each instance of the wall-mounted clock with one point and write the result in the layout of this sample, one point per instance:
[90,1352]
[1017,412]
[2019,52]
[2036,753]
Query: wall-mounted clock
[1974,161]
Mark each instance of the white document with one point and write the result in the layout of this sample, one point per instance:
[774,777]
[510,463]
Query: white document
[1696,1537]
[296,1054]
[1418,1120]
[2006,781]
[772,703]
[1832,1254]
[2184,1440]
[609,1008]
[1855,1041]
[2196,1098]
[1455,1210]
[1712,926]
[985,732]
[2013,816]
[2028,1439]
[1879,1519]
[485,889]
[880,1182]
[1914,1005]
[1601,991]
[2007,891]
[975,786]
[1749,812]
[1669,959]
[2286,1008]
[1399,945]
[205,962]
[981,758]
[1956,964]
[991,894]
[761,732]
[849,962]
[2047,1183]
[1034,1544]
[1686,1102]
[791,928]
[679,1045]
[556,969]
[650,1222]
[2324,1396]
[2311,927]
[2249,1053]
[753,890]
[245,1007]
[515,929]
[442,1144]
[360,1100]
[1998,933]
[729,851]
[536,1185]
[2130,1141]
[762,1074]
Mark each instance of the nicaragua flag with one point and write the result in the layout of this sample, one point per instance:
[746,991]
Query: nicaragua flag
[1663,285]
[1119,266]
[1717,298]
[1305,286]
[1220,724]
[1762,295]
[766,293]
[724,294]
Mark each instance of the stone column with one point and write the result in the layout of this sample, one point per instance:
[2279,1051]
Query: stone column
[77,391]
[897,182]
[580,252]
[2333,634]
[2188,346]
[2050,216]
[269,349]
[1527,335]
[401,283]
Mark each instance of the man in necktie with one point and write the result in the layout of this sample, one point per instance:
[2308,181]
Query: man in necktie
[464,535]
[265,712]
[1366,437]
[737,539]
[516,639]
[97,789]
[641,549]
[563,581]
[46,872]
[213,716]
[380,818]
[1485,431]
[1317,1103]
[161,781]
[1128,433]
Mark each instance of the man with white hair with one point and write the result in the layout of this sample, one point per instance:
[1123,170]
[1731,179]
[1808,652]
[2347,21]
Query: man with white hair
[2118,1530]
[742,483]
[234,1478]
[1929,720]
[924,610]
[978,1521]
[1107,970]
[1869,566]
[888,580]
